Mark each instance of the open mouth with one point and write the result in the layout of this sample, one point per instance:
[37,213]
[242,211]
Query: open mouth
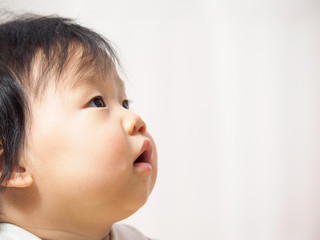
[145,153]
[143,158]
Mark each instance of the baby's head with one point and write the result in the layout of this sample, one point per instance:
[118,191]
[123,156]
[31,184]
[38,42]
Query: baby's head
[74,158]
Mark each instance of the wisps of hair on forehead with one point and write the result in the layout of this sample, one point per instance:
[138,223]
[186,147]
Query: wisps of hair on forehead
[50,43]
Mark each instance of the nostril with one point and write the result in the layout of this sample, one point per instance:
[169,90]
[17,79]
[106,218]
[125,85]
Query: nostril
[143,129]
[138,129]
[133,124]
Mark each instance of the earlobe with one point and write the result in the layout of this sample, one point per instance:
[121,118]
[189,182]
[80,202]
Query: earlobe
[19,178]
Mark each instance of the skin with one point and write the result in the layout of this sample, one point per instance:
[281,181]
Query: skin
[77,176]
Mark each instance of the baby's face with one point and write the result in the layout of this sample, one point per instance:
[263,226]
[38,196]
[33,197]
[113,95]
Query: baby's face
[82,152]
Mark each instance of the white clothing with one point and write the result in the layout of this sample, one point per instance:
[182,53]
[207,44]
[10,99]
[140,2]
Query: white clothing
[118,232]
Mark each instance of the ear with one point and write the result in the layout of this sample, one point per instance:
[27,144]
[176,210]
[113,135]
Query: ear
[20,177]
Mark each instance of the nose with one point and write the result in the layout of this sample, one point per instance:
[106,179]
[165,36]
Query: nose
[133,124]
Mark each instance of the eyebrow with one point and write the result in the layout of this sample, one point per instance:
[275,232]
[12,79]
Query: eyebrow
[86,77]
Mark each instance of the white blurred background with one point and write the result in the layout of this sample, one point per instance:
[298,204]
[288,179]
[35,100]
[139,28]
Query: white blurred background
[230,90]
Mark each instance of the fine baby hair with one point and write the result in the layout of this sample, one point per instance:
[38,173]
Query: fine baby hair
[74,159]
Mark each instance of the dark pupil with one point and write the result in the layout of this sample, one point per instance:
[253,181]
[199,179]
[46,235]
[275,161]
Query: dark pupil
[98,102]
[125,104]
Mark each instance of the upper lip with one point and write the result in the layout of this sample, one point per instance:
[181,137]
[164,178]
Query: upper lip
[145,152]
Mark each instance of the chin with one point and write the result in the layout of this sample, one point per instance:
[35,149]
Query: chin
[135,204]
[125,213]
[138,198]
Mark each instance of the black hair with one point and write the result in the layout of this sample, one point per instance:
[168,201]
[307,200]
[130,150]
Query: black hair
[12,122]
[53,41]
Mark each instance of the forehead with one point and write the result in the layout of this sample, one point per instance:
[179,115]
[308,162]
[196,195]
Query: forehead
[92,75]
[82,68]
[78,71]
[78,65]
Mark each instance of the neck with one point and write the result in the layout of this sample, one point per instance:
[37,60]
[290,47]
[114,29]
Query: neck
[55,234]
[49,225]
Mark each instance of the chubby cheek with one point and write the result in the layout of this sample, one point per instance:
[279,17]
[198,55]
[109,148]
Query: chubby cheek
[102,167]
[71,165]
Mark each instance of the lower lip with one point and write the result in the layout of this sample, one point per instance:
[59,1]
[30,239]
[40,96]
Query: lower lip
[143,166]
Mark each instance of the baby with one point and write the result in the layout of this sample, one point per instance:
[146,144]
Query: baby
[74,158]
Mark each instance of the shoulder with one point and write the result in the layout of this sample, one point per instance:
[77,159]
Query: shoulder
[126,232]
[12,232]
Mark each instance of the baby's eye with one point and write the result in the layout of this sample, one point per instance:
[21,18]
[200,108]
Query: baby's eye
[96,102]
[125,104]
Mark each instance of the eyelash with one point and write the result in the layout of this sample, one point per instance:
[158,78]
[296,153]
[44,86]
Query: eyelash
[98,102]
